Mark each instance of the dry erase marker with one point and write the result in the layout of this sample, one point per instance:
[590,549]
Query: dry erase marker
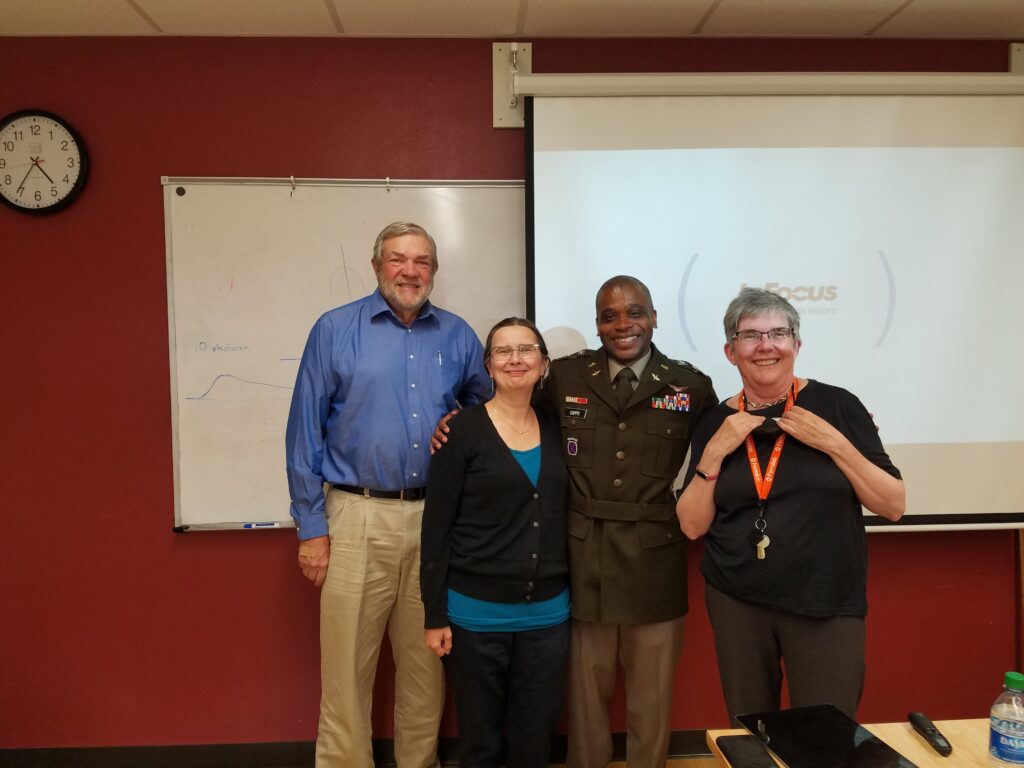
[261,525]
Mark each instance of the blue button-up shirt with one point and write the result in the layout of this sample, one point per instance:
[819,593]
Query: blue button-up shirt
[368,395]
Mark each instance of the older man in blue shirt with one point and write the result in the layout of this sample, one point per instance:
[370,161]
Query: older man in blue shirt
[375,377]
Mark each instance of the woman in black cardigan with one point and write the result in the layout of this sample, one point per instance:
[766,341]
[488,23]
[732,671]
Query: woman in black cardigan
[493,566]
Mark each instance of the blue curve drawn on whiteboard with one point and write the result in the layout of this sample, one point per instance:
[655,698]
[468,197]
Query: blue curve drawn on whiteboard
[682,302]
[236,378]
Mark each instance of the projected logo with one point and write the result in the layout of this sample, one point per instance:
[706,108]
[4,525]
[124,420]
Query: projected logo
[807,299]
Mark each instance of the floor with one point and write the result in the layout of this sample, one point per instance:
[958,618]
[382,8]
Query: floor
[679,762]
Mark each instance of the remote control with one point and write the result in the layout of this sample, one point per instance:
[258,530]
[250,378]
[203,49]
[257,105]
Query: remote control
[930,733]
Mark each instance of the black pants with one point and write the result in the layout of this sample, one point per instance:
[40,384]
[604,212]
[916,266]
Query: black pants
[508,689]
[823,657]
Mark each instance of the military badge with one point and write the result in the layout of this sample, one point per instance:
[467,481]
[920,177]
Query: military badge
[680,401]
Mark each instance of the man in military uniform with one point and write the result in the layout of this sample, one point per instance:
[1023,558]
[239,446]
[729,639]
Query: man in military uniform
[627,412]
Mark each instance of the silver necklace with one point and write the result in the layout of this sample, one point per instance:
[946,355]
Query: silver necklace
[508,424]
[752,404]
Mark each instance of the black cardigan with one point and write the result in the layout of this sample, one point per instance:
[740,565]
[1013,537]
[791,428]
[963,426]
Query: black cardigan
[488,533]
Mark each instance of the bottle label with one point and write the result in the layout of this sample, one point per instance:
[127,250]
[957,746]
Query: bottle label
[1007,741]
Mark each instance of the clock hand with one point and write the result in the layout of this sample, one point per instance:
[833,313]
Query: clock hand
[21,186]
[37,161]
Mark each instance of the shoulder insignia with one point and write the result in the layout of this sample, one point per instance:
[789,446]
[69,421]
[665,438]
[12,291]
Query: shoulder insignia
[576,355]
[691,367]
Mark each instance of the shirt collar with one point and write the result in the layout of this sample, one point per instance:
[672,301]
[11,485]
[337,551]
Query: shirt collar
[380,306]
[638,365]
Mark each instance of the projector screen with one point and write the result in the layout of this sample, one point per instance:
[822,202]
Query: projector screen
[894,224]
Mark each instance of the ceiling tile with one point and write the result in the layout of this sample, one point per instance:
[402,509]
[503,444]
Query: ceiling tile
[70,17]
[420,18]
[288,18]
[613,18]
[798,18]
[992,19]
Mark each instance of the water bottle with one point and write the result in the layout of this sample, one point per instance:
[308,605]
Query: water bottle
[1006,744]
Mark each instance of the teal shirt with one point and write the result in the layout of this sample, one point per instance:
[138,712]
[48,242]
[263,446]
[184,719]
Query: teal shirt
[486,616]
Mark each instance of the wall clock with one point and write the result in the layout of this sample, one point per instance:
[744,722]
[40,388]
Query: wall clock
[43,162]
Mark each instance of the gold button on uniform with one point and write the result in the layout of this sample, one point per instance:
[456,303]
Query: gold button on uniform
[620,455]
[617,482]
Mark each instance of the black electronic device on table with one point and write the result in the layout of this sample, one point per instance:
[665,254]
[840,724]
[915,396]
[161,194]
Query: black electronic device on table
[745,751]
[821,737]
[924,726]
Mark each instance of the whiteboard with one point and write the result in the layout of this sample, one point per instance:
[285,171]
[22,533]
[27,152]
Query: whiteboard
[251,265]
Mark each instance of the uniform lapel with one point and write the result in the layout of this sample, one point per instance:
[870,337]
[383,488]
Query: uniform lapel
[596,375]
[654,378]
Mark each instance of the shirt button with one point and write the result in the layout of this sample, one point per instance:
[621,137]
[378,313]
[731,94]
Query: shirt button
[412,357]
[617,483]
[413,386]
[415,445]
[620,455]
[415,415]
[415,474]
[622,426]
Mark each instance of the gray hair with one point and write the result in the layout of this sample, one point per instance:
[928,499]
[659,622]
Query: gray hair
[753,302]
[397,229]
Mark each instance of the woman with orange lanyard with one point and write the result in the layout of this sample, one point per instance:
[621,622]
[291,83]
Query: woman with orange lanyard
[777,477]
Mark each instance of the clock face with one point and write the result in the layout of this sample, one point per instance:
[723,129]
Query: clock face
[43,162]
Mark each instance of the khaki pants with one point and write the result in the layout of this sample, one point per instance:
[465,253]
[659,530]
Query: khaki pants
[648,654]
[373,583]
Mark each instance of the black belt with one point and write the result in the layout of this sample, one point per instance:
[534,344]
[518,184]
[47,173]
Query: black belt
[406,494]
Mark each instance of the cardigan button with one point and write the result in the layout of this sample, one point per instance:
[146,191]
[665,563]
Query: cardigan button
[536,495]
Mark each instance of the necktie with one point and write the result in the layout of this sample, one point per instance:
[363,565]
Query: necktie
[624,386]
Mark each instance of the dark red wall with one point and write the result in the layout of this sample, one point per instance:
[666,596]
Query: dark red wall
[114,630]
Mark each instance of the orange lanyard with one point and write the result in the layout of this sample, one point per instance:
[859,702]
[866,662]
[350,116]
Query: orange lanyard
[763,484]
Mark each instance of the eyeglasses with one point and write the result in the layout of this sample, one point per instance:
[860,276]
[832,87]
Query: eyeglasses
[524,350]
[754,337]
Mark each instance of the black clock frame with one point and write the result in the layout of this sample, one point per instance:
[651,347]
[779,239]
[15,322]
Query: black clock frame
[83,153]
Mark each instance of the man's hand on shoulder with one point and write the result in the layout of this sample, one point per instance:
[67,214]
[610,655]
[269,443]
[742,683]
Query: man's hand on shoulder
[441,433]
[314,557]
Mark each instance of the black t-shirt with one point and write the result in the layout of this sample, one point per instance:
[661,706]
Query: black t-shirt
[816,563]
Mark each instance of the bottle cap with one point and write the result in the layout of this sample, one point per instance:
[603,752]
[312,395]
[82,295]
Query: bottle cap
[1014,681]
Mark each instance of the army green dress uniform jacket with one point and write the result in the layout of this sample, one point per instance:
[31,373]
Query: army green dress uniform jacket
[627,553]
